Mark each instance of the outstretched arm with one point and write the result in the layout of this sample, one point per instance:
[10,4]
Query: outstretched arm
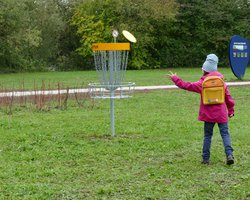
[190,86]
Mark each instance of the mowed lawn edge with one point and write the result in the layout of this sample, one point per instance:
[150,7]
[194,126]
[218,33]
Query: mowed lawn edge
[81,79]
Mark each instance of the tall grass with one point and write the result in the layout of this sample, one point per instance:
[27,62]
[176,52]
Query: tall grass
[40,82]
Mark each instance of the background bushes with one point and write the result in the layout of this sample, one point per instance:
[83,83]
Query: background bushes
[57,35]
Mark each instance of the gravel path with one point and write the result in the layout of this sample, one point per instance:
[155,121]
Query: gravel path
[85,90]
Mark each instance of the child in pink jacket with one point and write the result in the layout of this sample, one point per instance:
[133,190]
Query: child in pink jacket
[211,114]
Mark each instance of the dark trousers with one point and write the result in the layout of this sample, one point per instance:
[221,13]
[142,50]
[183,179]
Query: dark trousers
[208,134]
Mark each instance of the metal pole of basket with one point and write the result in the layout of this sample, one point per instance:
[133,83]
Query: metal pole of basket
[113,66]
[112,102]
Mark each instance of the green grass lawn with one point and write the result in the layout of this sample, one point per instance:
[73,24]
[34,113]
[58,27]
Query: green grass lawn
[83,78]
[156,154]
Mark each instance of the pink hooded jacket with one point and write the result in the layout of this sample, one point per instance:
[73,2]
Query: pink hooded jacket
[210,113]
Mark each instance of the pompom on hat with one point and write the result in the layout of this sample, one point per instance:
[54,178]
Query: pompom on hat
[210,63]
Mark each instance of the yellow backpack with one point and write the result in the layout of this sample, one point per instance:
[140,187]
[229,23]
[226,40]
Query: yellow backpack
[213,90]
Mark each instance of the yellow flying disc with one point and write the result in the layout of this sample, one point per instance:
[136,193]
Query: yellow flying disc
[129,36]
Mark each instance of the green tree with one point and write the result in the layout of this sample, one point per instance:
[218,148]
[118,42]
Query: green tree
[202,27]
[96,19]
[68,58]
[37,35]
[29,34]
[45,16]
[14,29]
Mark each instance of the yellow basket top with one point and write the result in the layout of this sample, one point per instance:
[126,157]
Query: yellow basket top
[110,46]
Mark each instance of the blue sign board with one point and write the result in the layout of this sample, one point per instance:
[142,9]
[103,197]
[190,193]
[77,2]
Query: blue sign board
[239,55]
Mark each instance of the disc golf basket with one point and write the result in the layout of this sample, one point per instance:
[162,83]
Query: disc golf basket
[111,62]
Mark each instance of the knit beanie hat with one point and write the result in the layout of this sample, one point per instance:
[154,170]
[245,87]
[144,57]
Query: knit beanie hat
[210,63]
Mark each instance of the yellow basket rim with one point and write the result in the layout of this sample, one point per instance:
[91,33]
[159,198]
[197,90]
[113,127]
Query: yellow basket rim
[110,46]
